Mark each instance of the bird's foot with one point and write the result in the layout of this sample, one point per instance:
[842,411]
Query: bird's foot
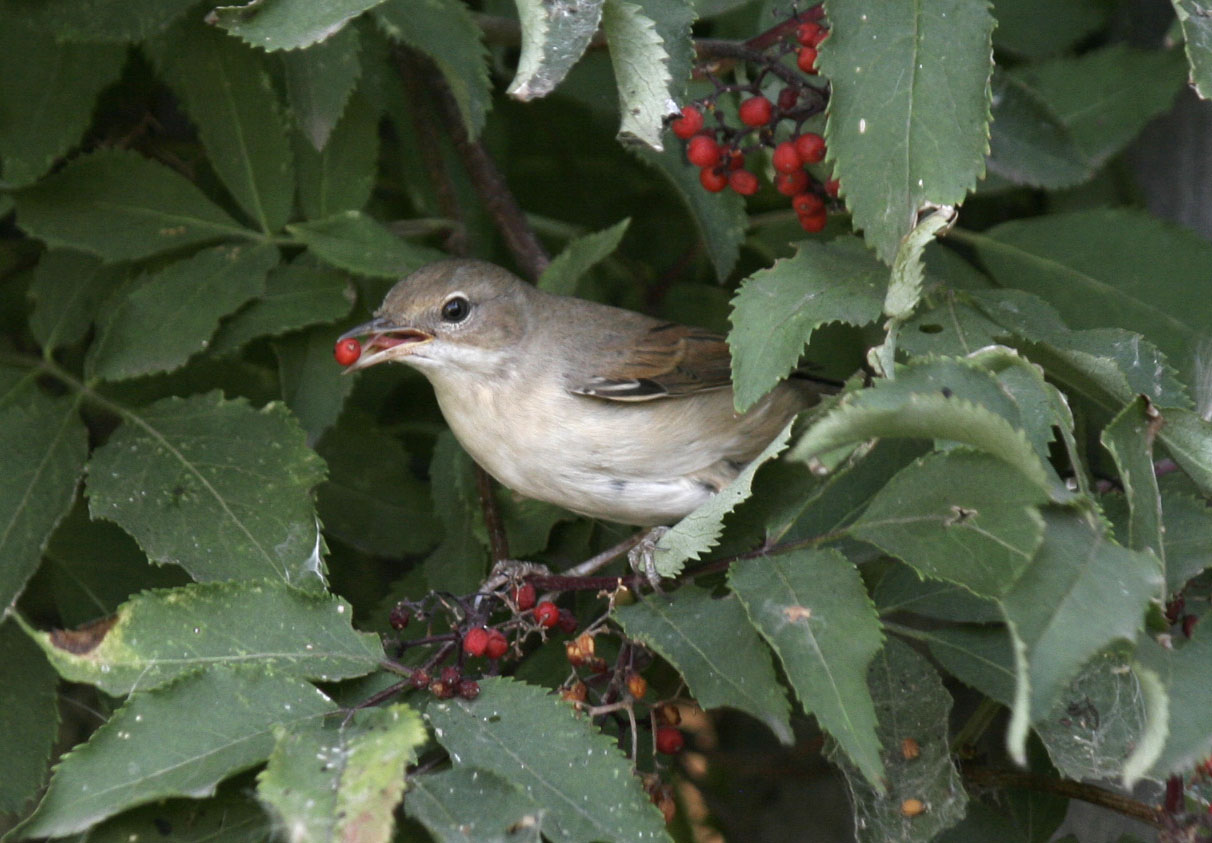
[643,557]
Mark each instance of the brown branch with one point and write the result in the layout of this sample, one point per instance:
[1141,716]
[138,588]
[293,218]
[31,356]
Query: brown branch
[1018,780]
[497,539]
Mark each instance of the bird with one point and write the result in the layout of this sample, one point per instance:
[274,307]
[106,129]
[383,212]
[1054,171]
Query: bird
[606,412]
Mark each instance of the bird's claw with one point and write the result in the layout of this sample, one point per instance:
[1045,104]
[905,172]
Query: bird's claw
[642,557]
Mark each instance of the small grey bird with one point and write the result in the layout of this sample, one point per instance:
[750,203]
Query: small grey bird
[606,412]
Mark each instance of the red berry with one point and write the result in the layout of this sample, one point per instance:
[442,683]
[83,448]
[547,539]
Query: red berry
[832,186]
[669,740]
[735,159]
[468,689]
[756,111]
[547,614]
[785,158]
[420,679]
[703,151]
[347,351]
[568,623]
[810,34]
[813,223]
[811,148]
[712,179]
[399,616]
[807,203]
[688,125]
[524,597]
[790,184]
[497,646]
[451,675]
[788,97]
[805,59]
[475,642]
[743,182]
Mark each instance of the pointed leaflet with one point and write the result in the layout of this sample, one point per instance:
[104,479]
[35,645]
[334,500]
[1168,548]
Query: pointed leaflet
[341,176]
[341,780]
[1081,593]
[909,112]
[465,804]
[1129,438]
[358,243]
[180,740]
[1185,674]
[158,636]
[554,36]
[716,650]
[319,83]
[162,320]
[538,743]
[1029,144]
[214,486]
[1195,16]
[313,387]
[640,60]
[43,451]
[579,256]
[228,94]
[445,31]
[121,206]
[49,89]
[777,309]
[982,657]
[288,24]
[30,704]
[813,609]
[296,296]
[1188,438]
[1187,538]
[67,289]
[961,516]
[901,589]
[910,702]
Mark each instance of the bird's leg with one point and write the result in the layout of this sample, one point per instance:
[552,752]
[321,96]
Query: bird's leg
[643,556]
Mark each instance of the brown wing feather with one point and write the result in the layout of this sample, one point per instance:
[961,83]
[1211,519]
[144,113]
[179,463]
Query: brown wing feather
[668,360]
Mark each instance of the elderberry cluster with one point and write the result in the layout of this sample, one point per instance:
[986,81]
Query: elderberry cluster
[720,151]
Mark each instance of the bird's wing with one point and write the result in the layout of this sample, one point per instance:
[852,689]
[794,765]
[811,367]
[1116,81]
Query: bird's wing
[666,360]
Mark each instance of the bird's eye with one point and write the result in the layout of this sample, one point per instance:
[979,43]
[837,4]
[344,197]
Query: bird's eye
[455,309]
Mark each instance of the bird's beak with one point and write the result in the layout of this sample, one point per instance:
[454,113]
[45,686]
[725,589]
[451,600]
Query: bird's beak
[387,341]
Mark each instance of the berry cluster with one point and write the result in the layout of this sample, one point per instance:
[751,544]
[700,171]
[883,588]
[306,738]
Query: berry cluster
[720,151]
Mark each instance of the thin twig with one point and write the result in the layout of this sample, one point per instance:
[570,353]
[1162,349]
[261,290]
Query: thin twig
[1018,780]
[497,538]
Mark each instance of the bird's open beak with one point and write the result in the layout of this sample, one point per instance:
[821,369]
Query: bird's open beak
[386,341]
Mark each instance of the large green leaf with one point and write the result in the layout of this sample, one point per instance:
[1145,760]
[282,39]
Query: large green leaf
[214,486]
[180,740]
[319,83]
[1188,538]
[122,206]
[639,58]
[231,816]
[31,718]
[101,20]
[960,516]
[777,309]
[459,563]
[813,609]
[1029,143]
[553,39]
[910,703]
[67,289]
[467,805]
[159,636]
[1196,19]
[48,89]
[341,176]
[289,24]
[43,451]
[226,89]
[170,315]
[909,110]
[1188,437]
[535,741]
[715,649]
[1185,673]
[981,657]
[342,780]
[296,296]
[353,241]
[445,31]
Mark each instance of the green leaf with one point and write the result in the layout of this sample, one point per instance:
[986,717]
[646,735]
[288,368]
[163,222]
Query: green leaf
[934,399]
[673,20]
[342,175]
[170,315]
[812,608]
[1129,438]
[159,636]
[230,817]
[1101,269]
[180,740]
[905,285]
[961,516]
[911,127]
[355,242]
[49,89]
[467,805]
[718,653]
[949,326]
[910,702]
[537,743]
[1195,17]
[777,309]
[121,206]
[296,296]
[1188,438]
[700,531]
[342,781]
[67,289]
[43,451]
[1029,143]
[1187,539]
[31,718]
[313,385]
[371,499]
[553,39]
[579,256]
[719,217]
[639,58]
[460,561]
[289,24]
[981,657]
[445,31]
[1019,28]
[227,92]
[1082,593]
[901,589]
[101,20]
[319,83]
[214,486]
[1185,673]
